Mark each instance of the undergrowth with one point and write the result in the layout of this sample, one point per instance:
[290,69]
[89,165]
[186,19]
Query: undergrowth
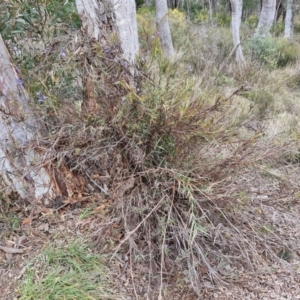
[172,157]
[72,272]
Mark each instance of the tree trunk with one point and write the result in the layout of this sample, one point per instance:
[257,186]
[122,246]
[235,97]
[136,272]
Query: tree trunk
[266,18]
[102,17]
[210,9]
[280,10]
[163,28]
[236,15]
[20,166]
[214,5]
[112,23]
[172,4]
[288,23]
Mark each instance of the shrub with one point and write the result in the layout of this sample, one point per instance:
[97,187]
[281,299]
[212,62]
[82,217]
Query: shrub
[278,28]
[263,101]
[288,53]
[201,17]
[178,26]
[169,155]
[297,28]
[37,19]
[274,52]
[192,8]
[148,37]
[178,18]
[139,3]
[252,21]
[264,50]
[146,11]
[223,19]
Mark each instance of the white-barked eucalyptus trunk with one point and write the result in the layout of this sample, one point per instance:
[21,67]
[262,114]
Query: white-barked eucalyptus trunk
[20,164]
[266,18]
[100,17]
[236,16]
[288,22]
[163,28]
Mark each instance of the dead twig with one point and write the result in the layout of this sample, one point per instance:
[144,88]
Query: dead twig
[129,234]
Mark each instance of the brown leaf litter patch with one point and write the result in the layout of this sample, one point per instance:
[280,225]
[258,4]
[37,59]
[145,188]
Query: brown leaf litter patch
[252,245]
[30,227]
[263,200]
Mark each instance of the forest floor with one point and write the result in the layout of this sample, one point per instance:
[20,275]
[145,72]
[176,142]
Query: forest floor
[33,228]
[247,222]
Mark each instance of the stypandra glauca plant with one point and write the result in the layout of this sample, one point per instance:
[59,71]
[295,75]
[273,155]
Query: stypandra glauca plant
[173,157]
[181,152]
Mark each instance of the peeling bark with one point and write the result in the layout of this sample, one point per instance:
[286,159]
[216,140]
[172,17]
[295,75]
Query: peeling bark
[19,162]
[101,18]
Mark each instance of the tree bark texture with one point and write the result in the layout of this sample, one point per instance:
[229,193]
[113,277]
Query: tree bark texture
[162,24]
[266,18]
[103,17]
[19,163]
[236,16]
[288,22]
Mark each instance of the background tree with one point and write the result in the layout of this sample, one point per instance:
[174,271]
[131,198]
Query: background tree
[173,4]
[236,16]
[250,7]
[288,22]
[102,17]
[113,24]
[163,27]
[280,10]
[266,18]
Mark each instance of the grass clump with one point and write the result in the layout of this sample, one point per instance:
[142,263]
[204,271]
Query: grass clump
[67,272]
[263,102]
[289,53]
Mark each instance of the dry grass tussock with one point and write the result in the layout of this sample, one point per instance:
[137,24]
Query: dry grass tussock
[199,192]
